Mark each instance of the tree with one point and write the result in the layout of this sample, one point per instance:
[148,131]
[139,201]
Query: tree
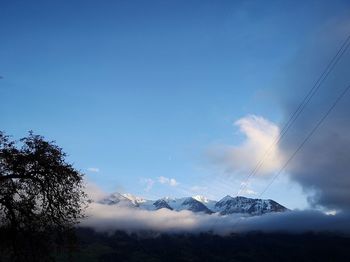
[41,196]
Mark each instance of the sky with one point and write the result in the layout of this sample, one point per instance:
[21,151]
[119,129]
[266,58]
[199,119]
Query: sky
[167,98]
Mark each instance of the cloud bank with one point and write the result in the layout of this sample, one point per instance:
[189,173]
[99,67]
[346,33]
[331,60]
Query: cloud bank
[105,218]
[322,167]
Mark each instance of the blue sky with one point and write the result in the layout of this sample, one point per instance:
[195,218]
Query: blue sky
[142,89]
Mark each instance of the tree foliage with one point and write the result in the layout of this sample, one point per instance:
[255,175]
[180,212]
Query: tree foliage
[40,193]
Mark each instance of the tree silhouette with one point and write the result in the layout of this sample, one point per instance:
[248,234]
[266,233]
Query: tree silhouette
[41,197]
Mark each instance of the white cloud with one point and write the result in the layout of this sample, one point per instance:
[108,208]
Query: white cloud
[244,184]
[168,181]
[260,134]
[248,191]
[93,169]
[108,218]
[173,182]
[94,192]
[148,182]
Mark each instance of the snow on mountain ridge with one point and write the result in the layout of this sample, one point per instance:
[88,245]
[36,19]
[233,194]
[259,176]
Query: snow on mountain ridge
[225,206]
[134,199]
[239,204]
[201,198]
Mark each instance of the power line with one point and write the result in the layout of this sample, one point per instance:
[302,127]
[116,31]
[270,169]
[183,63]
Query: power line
[307,138]
[298,111]
[311,133]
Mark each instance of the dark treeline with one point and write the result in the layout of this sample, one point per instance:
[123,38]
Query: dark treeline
[121,246]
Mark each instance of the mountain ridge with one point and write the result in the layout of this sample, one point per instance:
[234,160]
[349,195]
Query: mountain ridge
[198,204]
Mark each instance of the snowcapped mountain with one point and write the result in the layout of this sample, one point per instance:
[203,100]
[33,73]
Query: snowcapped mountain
[230,205]
[120,200]
[187,203]
[201,199]
[227,205]
[134,199]
[161,203]
[209,203]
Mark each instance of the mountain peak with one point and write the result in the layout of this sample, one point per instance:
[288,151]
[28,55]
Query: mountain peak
[168,198]
[244,205]
[227,205]
[134,199]
[226,198]
[196,206]
[201,198]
